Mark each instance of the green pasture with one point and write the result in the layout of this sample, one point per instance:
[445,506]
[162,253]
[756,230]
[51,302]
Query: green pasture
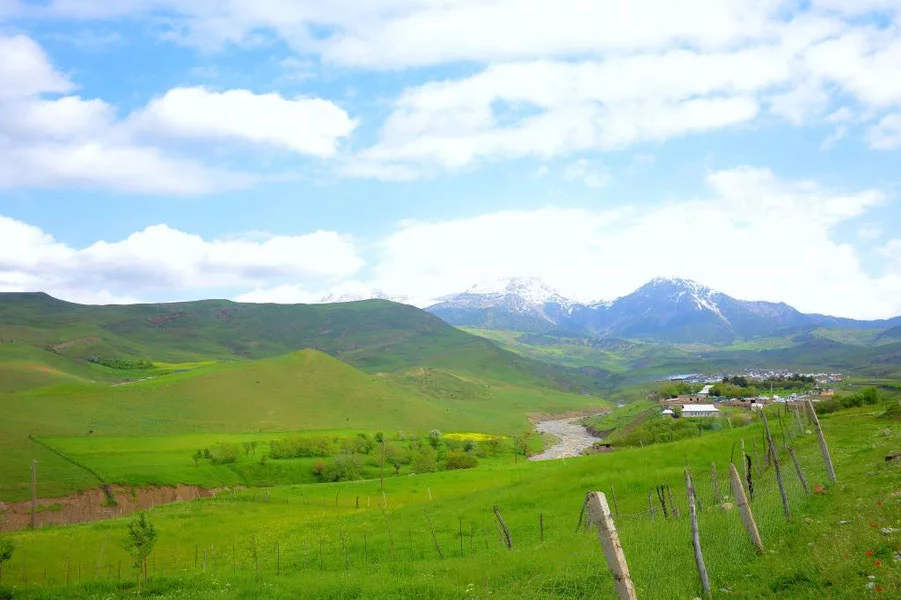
[271,549]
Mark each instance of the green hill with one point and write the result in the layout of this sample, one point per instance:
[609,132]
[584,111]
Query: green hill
[374,335]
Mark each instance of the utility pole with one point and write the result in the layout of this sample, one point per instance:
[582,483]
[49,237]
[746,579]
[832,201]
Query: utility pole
[34,496]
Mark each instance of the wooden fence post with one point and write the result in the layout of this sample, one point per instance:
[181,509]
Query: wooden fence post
[673,507]
[791,452]
[34,493]
[797,412]
[716,485]
[772,452]
[599,513]
[508,540]
[744,509]
[824,449]
[650,504]
[541,526]
[434,537]
[695,535]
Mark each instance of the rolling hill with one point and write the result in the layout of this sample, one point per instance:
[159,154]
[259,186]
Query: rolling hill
[221,367]
[374,335]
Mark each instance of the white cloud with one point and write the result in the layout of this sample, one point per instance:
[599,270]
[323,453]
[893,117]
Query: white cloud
[26,71]
[725,240]
[547,109]
[886,134]
[162,259]
[70,141]
[584,171]
[280,294]
[869,232]
[304,125]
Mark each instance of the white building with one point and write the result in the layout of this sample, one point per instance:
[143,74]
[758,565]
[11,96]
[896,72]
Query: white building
[699,410]
[668,412]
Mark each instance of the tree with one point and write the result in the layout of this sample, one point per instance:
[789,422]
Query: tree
[425,461]
[344,467]
[197,457]
[6,552]
[869,396]
[319,468]
[247,448]
[139,544]
[435,438]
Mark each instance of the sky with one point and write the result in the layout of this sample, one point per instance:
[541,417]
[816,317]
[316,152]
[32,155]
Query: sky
[288,150]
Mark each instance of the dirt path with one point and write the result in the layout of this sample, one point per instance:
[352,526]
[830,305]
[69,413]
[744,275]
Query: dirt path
[574,438]
[91,505]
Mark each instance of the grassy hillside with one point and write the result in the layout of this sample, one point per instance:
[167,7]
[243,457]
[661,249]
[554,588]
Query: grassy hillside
[374,335]
[630,361]
[314,542]
[305,390]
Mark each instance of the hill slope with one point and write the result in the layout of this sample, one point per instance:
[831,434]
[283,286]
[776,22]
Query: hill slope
[375,335]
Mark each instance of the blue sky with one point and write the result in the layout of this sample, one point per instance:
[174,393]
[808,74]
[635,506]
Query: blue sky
[290,149]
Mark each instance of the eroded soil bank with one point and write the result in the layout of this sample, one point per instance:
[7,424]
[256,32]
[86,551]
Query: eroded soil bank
[93,505]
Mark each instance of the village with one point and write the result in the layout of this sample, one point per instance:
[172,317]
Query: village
[707,401]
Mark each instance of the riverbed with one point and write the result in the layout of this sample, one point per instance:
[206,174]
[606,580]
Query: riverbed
[573,438]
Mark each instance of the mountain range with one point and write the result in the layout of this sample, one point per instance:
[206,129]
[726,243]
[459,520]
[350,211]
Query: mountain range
[666,309]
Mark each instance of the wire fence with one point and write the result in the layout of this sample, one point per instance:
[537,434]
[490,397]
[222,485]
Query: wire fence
[559,555]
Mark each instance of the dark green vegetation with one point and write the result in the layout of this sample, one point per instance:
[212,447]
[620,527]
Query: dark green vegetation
[313,541]
[862,353]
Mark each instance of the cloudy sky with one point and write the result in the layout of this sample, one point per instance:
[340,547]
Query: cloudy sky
[281,150]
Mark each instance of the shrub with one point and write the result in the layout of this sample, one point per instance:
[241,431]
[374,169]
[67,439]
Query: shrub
[344,467]
[319,468]
[460,460]
[425,461]
[224,454]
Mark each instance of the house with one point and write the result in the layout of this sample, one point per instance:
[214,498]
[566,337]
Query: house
[699,410]
[668,412]
[705,391]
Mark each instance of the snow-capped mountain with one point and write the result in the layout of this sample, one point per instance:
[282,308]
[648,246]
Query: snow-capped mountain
[665,309]
[520,303]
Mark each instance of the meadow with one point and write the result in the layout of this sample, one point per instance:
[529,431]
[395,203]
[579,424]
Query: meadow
[306,390]
[435,535]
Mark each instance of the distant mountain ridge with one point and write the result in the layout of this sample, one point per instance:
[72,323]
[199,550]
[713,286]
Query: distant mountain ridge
[668,309]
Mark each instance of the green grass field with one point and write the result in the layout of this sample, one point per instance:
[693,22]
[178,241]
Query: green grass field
[255,548]
[306,390]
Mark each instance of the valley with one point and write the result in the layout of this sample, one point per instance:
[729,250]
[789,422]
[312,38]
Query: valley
[359,449]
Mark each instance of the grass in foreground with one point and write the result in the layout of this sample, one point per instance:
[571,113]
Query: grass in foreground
[311,541]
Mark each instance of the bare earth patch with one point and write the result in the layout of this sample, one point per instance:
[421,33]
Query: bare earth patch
[92,505]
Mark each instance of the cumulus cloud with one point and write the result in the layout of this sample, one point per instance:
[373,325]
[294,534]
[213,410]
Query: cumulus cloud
[70,141]
[26,71]
[162,259]
[304,125]
[754,236]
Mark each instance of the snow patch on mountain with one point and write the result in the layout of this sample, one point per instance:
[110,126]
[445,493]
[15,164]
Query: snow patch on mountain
[529,289]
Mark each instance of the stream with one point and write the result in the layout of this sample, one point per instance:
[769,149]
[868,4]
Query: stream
[574,438]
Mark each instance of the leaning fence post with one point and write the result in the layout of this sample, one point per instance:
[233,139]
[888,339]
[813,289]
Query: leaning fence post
[507,539]
[797,412]
[744,509]
[650,505]
[599,513]
[791,452]
[695,535]
[824,449]
[772,452]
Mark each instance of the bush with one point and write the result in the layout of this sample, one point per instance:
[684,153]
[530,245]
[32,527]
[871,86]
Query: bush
[460,460]
[225,454]
[319,468]
[300,447]
[344,467]
[425,461]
